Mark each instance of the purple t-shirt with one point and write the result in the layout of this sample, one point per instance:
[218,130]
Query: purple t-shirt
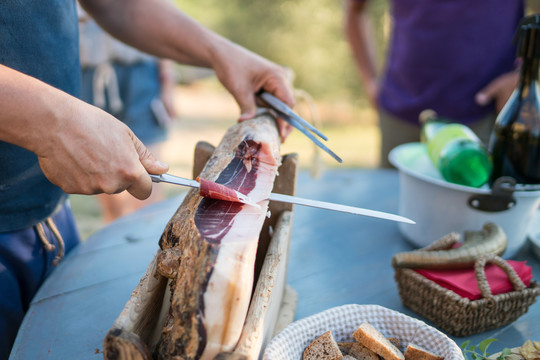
[442,52]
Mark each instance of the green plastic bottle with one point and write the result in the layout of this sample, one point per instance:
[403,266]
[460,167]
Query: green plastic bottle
[455,150]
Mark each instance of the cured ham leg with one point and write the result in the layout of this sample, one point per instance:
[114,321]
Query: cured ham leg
[209,246]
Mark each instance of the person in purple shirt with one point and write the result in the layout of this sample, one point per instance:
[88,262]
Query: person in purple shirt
[453,56]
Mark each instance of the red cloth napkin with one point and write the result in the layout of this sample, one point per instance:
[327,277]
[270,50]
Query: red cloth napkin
[463,281]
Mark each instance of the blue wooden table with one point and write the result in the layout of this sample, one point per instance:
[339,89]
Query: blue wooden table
[335,259]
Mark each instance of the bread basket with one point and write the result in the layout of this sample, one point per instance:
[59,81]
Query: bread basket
[290,343]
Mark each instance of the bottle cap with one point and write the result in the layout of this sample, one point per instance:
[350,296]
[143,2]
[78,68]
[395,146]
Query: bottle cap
[427,115]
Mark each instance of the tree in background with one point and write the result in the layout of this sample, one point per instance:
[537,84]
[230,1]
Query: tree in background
[304,35]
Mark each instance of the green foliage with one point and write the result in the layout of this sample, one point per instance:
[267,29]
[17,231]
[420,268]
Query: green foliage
[304,35]
[482,348]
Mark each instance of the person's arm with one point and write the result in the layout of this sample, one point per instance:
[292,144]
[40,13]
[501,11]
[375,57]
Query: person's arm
[167,80]
[159,28]
[80,148]
[358,30]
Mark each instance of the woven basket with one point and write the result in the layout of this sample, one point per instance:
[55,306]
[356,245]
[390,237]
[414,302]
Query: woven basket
[460,316]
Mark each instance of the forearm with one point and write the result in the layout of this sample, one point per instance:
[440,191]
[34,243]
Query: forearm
[358,32]
[80,148]
[159,28]
[31,109]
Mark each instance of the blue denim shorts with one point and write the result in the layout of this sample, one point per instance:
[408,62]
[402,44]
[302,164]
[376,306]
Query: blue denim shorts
[27,257]
[138,84]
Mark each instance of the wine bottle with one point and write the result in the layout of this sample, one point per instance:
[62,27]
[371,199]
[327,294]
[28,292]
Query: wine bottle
[455,150]
[515,140]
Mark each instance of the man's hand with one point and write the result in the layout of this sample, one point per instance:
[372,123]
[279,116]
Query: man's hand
[95,153]
[498,90]
[371,87]
[80,148]
[244,74]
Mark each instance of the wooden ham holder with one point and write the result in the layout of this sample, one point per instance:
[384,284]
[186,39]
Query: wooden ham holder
[135,331]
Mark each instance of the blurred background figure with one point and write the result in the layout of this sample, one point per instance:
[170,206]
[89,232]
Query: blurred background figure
[455,57]
[136,88]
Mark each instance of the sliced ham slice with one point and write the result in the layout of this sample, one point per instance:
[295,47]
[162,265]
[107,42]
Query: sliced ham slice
[217,191]
[212,245]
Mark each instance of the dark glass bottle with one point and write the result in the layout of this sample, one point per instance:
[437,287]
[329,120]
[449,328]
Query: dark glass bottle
[515,141]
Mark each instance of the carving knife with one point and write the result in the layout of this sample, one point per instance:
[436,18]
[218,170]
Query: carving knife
[171,179]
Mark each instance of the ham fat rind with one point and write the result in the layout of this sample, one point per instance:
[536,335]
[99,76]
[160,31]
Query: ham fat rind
[209,246]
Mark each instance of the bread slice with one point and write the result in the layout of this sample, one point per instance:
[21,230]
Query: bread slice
[360,352]
[323,348]
[375,341]
[415,352]
[396,342]
[345,347]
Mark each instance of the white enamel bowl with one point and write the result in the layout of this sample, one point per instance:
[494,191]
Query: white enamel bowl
[440,207]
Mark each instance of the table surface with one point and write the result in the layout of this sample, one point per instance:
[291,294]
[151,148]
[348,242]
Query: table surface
[335,259]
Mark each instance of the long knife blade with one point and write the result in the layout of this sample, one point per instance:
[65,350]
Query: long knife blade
[171,179]
[338,207]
